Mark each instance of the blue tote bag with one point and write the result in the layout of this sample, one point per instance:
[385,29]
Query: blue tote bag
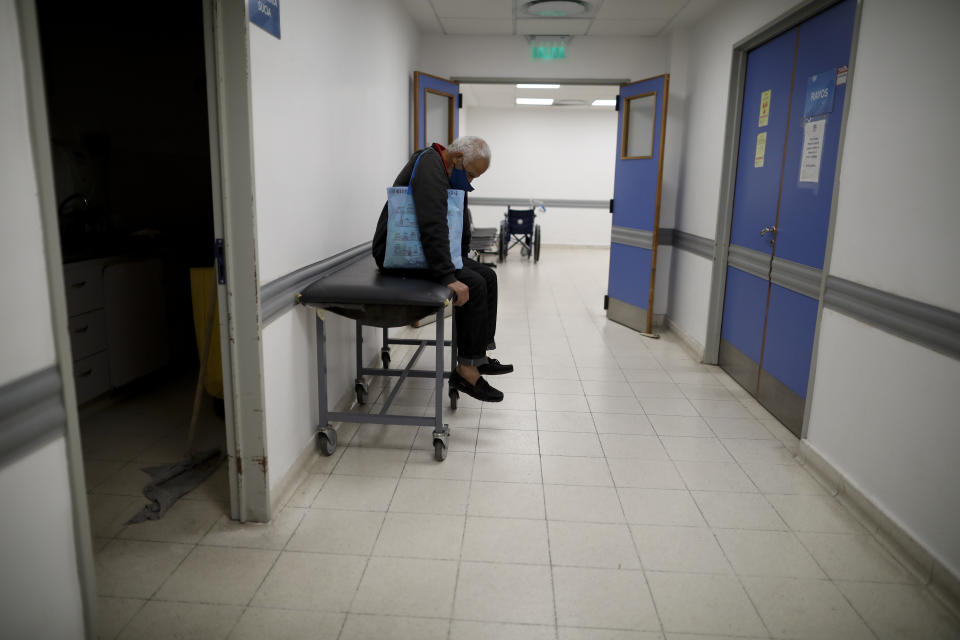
[404,249]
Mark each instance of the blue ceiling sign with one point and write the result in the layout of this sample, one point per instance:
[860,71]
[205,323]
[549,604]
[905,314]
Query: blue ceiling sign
[266,15]
[820,93]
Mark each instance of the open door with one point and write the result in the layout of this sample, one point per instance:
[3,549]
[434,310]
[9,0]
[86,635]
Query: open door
[642,123]
[436,102]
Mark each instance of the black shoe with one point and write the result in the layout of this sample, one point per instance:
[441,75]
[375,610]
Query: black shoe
[494,368]
[481,391]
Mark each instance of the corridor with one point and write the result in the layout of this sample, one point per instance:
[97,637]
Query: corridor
[620,492]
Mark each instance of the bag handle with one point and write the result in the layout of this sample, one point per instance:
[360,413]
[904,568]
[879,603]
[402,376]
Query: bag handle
[414,172]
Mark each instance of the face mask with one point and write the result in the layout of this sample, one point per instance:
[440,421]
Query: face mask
[458,180]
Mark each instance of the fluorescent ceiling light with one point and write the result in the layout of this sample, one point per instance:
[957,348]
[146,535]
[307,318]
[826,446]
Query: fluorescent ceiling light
[538,86]
[541,101]
[603,103]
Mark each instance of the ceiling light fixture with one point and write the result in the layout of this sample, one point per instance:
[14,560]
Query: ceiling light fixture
[536,101]
[538,86]
[555,8]
[603,102]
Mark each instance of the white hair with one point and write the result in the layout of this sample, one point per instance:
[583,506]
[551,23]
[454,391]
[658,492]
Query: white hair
[472,148]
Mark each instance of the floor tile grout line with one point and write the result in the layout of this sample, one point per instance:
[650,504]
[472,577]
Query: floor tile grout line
[123,627]
[369,556]
[546,524]
[835,586]
[546,513]
[463,537]
[743,587]
[636,548]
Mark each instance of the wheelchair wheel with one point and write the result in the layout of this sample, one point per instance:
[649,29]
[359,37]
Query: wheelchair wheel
[536,244]
[502,243]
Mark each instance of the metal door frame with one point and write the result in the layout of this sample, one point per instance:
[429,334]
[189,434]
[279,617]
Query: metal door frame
[728,180]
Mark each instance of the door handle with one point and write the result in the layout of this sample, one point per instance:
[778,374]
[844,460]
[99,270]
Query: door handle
[770,230]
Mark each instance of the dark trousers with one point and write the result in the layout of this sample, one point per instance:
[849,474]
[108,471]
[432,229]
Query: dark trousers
[477,319]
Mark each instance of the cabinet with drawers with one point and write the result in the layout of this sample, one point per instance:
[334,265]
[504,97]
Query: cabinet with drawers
[117,322]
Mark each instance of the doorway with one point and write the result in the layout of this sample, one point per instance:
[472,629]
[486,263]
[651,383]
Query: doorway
[127,116]
[552,147]
[794,90]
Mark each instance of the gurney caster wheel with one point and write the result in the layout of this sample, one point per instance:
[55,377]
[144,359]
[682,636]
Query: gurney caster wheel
[439,450]
[454,396]
[327,440]
[361,389]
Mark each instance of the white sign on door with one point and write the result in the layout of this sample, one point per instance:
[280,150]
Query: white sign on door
[812,150]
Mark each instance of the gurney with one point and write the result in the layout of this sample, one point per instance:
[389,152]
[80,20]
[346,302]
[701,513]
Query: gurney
[360,292]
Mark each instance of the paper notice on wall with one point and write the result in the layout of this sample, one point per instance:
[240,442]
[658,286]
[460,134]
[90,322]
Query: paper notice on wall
[761,150]
[812,150]
[765,107]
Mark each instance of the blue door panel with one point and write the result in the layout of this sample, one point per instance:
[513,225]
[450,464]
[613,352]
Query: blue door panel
[757,188]
[636,181]
[791,323]
[824,45]
[630,274]
[425,82]
[743,306]
[636,186]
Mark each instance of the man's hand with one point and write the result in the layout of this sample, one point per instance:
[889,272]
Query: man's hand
[460,290]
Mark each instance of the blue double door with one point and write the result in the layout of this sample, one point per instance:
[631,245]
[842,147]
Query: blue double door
[793,101]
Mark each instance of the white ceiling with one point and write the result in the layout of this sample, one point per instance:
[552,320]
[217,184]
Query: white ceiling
[503,96]
[509,17]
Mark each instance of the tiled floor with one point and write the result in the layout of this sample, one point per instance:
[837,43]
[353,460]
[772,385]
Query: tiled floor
[622,491]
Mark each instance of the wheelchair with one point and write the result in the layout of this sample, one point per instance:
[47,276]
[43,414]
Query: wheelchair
[519,228]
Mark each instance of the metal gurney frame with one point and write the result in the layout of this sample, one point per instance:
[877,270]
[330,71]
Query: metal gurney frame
[361,292]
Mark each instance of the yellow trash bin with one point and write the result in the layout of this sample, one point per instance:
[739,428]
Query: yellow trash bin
[203,284]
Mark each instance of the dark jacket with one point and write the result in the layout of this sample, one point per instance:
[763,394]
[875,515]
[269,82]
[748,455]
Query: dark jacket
[429,189]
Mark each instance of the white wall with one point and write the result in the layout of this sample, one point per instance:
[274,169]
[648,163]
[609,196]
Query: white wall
[885,410]
[548,152]
[885,414]
[899,193]
[27,337]
[331,103]
[40,591]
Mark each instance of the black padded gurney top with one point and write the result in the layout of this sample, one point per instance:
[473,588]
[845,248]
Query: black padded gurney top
[361,292]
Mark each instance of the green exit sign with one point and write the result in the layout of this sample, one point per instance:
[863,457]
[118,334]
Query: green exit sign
[548,52]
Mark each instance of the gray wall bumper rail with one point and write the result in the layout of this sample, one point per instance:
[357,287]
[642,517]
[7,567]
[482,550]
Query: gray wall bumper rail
[277,296]
[933,327]
[519,203]
[924,324]
[632,237]
[786,273]
[31,413]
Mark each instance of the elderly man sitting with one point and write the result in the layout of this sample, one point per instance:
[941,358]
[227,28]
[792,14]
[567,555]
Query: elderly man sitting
[475,285]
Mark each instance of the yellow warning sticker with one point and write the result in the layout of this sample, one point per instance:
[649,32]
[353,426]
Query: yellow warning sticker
[761,150]
[765,107]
